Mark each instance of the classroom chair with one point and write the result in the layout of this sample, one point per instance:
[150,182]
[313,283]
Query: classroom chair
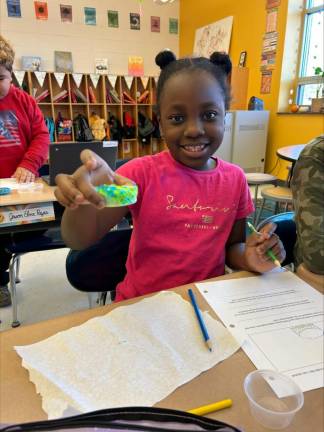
[48,240]
[313,279]
[286,230]
[100,267]
[279,195]
[257,179]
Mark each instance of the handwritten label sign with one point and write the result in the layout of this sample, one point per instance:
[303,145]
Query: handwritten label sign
[26,213]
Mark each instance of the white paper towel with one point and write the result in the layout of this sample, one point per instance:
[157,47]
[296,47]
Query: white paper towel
[135,355]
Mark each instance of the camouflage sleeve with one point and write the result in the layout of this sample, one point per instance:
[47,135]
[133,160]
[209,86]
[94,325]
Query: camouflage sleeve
[308,192]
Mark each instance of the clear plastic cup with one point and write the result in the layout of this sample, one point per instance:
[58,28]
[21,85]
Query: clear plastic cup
[274,398]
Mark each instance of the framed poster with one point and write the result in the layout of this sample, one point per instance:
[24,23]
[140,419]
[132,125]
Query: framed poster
[155,24]
[135,21]
[30,63]
[90,16]
[66,13]
[173,26]
[63,61]
[41,10]
[13,8]
[213,37]
[112,18]
[242,59]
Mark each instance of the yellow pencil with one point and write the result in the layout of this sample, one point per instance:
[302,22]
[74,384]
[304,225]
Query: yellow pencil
[206,409]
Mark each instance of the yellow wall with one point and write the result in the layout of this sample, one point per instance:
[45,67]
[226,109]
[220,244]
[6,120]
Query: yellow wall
[247,33]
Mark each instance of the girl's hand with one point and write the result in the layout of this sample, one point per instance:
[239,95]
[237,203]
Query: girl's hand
[257,245]
[22,175]
[78,188]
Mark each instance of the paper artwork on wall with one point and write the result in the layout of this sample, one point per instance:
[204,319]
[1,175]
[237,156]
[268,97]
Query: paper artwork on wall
[155,24]
[135,66]
[63,61]
[112,18]
[173,25]
[101,66]
[272,4]
[213,37]
[266,79]
[90,16]
[271,24]
[13,8]
[135,21]
[31,63]
[41,10]
[66,13]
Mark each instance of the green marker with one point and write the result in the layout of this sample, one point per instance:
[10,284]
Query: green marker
[269,252]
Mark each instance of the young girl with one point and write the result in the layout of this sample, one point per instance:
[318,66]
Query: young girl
[189,218]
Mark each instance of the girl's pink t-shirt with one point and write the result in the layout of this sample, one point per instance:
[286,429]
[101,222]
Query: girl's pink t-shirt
[182,220]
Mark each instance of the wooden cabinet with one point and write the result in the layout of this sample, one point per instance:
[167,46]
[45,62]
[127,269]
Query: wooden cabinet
[67,95]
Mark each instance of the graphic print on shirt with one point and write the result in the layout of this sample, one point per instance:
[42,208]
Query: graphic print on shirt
[9,130]
[204,221]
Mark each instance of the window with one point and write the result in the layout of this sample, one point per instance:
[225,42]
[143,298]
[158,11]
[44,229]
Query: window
[310,82]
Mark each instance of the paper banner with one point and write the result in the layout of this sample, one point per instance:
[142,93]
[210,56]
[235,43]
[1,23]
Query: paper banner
[20,75]
[155,79]
[40,77]
[129,81]
[144,81]
[77,79]
[59,77]
[94,78]
[112,80]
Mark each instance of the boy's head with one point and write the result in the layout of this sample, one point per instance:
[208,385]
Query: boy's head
[7,56]
[192,96]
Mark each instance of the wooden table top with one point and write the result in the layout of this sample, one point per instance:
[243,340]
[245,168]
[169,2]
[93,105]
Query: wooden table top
[19,401]
[46,194]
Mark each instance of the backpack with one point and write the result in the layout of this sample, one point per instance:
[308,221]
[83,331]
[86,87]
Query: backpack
[82,131]
[97,126]
[145,128]
[129,130]
[115,127]
[51,127]
[63,128]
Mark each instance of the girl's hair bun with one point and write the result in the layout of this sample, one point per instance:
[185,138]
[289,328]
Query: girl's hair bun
[164,58]
[222,60]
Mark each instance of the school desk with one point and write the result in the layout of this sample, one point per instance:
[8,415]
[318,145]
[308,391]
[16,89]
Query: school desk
[290,154]
[20,403]
[45,195]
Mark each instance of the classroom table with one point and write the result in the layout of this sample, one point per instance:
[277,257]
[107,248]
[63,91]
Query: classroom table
[290,154]
[46,194]
[20,403]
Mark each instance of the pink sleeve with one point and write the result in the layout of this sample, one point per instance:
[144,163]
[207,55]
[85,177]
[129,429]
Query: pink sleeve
[245,206]
[38,146]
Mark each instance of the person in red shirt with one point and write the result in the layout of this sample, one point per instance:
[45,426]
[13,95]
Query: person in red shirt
[24,142]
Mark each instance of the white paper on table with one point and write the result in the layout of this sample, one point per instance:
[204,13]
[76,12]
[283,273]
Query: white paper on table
[280,319]
[135,355]
[20,187]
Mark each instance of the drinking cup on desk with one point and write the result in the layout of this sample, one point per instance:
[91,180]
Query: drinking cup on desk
[266,406]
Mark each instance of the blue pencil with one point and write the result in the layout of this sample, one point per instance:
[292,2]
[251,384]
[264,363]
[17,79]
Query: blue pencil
[201,322]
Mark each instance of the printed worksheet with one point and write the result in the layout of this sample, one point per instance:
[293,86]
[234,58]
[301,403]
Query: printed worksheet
[278,318]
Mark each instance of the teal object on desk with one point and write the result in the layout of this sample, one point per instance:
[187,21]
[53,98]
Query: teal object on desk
[5,191]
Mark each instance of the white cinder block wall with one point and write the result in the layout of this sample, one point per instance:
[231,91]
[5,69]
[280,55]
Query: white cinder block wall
[41,38]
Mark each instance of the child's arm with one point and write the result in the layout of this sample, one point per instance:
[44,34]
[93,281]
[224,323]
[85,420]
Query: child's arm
[38,143]
[84,224]
[250,254]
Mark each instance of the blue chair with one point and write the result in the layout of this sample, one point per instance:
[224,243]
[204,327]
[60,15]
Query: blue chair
[40,241]
[286,230]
